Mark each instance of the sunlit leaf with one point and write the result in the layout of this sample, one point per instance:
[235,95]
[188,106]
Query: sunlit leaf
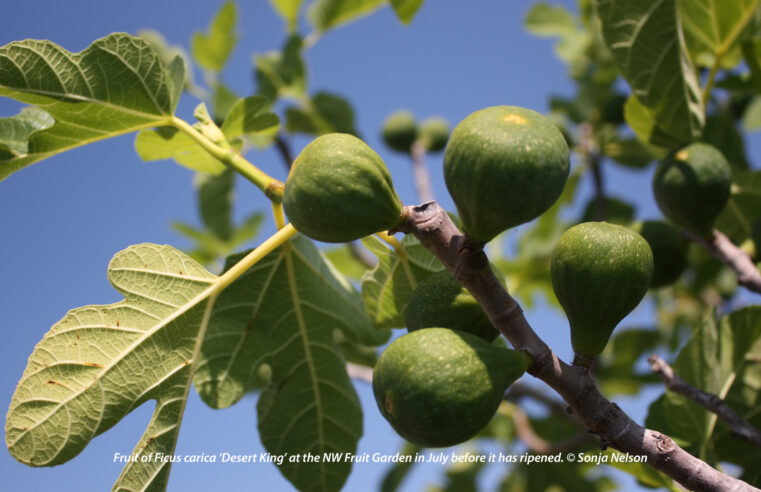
[743,208]
[282,73]
[212,50]
[289,11]
[99,363]
[325,113]
[406,9]
[327,14]
[117,85]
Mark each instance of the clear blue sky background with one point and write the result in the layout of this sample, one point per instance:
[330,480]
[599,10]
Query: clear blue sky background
[65,217]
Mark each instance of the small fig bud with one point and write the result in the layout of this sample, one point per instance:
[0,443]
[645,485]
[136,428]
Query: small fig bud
[440,301]
[504,166]
[434,133]
[600,272]
[439,387]
[692,187]
[339,190]
[400,131]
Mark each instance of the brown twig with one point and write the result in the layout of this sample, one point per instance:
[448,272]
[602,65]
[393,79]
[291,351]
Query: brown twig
[360,373]
[520,390]
[435,230]
[735,258]
[420,172]
[710,402]
[536,443]
[361,254]
[284,148]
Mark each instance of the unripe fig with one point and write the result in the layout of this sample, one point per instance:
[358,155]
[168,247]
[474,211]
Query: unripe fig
[692,187]
[439,387]
[400,131]
[504,166]
[339,190]
[600,272]
[669,247]
[434,133]
[440,301]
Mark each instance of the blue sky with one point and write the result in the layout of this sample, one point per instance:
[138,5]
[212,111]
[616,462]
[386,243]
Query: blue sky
[66,216]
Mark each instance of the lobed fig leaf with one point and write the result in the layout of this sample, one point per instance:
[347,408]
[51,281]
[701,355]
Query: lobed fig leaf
[692,187]
[440,301]
[339,190]
[669,249]
[439,387]
[600,272]
[504,166]
[400,131]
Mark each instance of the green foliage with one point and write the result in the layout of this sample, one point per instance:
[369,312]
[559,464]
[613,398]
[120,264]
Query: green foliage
[323,113]
[600,273]
[340,190]
[504,166]
[692,187]
[115,86]
[743,209]
[328,14]
[99,363]
[440,301]
[282,73]
[406,9]
[719,359]
[388,287]
[439,387]
[289,11]
[640,32]
[212,50]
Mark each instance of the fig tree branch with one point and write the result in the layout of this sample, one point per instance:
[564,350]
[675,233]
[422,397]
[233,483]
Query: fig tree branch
[435,230]
[284,149]
[735,258]
[740,427]
[420,173]
[536,443]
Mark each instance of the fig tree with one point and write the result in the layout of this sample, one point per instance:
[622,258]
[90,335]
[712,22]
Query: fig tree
[339,190]
[434,133]
[692,187]
[400,131]
[439,387]
[669,249]
[600,272]
[441,301]
[504,166]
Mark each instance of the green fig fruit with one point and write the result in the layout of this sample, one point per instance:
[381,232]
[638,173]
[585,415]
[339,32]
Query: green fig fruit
[669,247]
[339,190]
[400,131]
[504,166]
[692,187]
[439,387]
[434,133]
[441,301]
[600,272]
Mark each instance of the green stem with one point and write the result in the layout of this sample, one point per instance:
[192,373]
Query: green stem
[274,241]
[723,49]
[271,187]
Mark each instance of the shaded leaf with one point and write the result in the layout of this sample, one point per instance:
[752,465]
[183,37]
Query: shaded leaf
[346,263]
[752,115]
[328,14]
[246,118]
[223,99]
[616,369]
[396,474]
[629,152]
[642,121]
[406,9]
[387,288]
[721,132]
[282,74]
[209,249]
[99,363]
[648,47]
[115,86]
[212,50]
[15,131]
[743,207]
[282,313]
[215,201]
[325,113]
